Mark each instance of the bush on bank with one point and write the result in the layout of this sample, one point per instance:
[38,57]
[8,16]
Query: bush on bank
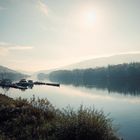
[37,119]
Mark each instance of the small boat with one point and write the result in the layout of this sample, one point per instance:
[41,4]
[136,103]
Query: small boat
[25,83]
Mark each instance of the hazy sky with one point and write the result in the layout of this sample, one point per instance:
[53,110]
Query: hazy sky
[43,34]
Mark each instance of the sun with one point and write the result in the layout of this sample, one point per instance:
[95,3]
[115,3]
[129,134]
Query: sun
[89,18]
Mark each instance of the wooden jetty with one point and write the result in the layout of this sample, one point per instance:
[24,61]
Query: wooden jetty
[23,84]
[49,84]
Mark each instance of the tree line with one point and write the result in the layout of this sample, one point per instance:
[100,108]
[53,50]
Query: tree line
[122,77]
[114,73]
[12,76]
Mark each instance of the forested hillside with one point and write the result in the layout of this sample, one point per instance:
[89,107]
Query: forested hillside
[6,73]
[122,77]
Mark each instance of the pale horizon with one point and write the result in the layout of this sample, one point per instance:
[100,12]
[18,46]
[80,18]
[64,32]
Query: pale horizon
[68,65]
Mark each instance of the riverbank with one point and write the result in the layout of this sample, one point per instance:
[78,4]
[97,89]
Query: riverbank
[37,119]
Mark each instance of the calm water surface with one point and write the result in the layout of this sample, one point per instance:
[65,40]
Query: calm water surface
[124,109]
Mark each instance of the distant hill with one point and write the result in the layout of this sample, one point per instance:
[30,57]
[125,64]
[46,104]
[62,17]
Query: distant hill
[121,72]
[104,61]
[97,62]
[7,73]
[6,70]
[123,78]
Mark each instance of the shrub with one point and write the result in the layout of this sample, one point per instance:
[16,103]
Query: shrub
[83,124]
[37,119]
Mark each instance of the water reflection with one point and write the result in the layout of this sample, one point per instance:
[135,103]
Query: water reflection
[122,87]
[124,109]
[4,89]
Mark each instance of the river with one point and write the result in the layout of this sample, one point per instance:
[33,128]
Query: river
[123,108]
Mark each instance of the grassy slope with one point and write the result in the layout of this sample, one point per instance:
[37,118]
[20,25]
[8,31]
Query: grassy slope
[39,120]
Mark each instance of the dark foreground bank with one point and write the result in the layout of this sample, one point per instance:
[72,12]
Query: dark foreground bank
[39,120]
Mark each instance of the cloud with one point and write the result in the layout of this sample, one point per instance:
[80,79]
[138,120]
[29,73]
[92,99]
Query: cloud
[2,8]
[3,52]
[6,47]
[2,44]
[43,7]
[21,48]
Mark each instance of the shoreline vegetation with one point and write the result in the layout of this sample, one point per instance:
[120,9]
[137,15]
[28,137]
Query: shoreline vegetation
[37,119]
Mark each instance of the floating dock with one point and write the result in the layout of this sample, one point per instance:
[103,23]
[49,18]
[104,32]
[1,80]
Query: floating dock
[49,84]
